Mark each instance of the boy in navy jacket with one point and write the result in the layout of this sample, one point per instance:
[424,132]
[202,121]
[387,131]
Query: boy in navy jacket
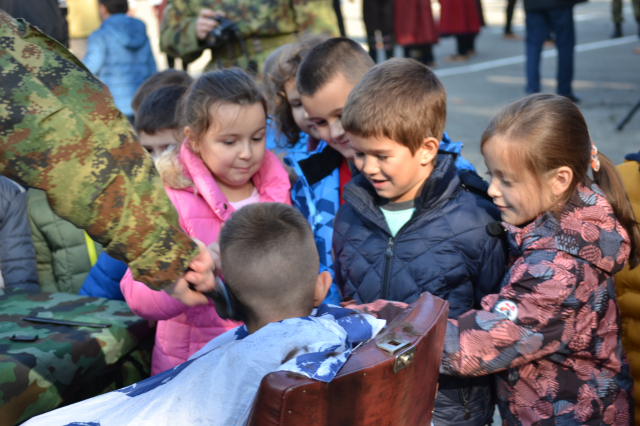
[411,221]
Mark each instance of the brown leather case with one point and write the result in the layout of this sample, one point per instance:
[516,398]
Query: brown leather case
[366,391]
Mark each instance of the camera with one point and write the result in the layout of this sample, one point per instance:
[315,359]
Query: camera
[222,34]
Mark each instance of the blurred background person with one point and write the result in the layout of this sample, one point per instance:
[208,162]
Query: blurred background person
[378,22]
[415,30]
[616,15]
[44,14]
[83,18]
[462,19]
[543,17]
[119,53]
[186,24]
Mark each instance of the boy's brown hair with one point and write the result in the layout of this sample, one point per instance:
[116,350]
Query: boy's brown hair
[400,99]
[270,260]
[160,79]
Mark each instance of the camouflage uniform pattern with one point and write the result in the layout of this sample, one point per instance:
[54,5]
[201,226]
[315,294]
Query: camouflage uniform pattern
[265,25]
[60,132]
[36,377]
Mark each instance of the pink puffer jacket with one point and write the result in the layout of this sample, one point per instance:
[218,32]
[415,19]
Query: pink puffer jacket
[182,330]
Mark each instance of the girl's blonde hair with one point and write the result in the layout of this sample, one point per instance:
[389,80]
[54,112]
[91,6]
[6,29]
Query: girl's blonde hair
[550,132]
[283,71]
[228,86]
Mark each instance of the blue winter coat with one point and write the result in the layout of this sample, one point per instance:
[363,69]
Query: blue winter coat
[119,54]
[316,194]
[447,248]
[104,278]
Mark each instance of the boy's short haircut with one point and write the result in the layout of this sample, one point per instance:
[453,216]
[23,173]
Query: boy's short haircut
[116,6]
[158,111]
[168,77]
[400,99]
[269,259]
[335,56]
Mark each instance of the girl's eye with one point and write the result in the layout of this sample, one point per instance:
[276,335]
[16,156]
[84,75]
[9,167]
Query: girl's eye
[358,154]
[382,157]
[229,142]
[320,123]
[297,104]
[258,138]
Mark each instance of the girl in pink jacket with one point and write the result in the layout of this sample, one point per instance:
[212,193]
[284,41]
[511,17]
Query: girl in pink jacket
[221,166]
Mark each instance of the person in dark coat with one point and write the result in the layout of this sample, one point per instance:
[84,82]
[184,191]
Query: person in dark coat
[44,14]
[411,221]
[17,254]
[543,16]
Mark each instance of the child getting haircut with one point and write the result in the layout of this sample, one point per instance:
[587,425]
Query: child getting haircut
[270,264]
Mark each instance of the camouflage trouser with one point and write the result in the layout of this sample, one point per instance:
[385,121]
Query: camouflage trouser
[616,10]
[221,58]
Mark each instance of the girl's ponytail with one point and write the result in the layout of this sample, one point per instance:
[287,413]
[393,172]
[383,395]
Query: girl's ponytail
[609,180]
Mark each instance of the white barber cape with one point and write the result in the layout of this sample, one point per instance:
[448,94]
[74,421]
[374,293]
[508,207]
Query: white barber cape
[217,385]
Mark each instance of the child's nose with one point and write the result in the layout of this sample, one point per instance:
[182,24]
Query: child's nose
[336,129]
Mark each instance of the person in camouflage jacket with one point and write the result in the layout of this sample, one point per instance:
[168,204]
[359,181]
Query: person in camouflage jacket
[264,26]
[552,333]
[60,132]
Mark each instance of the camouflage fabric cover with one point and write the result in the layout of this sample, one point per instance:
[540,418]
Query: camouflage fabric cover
[60,132]
[265,24]
[36,377]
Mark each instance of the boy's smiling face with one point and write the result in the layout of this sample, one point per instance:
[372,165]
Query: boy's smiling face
[394,172]
[325,112]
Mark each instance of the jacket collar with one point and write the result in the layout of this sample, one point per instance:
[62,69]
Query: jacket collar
[440,186]
[586,228]
[271,181]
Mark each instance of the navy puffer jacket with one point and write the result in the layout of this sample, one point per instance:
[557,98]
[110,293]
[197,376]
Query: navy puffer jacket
[447,248]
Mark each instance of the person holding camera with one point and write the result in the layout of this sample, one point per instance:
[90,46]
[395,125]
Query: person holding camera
[241,35]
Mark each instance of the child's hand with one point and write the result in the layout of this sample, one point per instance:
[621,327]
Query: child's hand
[200,276]
[214,250]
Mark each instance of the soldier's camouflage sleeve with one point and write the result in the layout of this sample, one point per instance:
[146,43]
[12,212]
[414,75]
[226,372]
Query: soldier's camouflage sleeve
[60,132]
[178,29]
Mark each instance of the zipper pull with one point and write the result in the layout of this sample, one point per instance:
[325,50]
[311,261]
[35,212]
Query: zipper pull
[389,252]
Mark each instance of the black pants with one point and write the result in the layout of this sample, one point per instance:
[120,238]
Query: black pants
[511,5]
[378,16]
[338,10]
[420,52]
[466,43]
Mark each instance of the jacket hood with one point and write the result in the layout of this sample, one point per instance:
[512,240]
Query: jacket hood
[126,31]
[440,185]
[271,181]
[587,229]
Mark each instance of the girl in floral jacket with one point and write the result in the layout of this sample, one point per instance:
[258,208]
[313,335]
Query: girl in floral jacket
[553,332]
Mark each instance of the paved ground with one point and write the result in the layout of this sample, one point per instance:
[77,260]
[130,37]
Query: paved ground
[607,74]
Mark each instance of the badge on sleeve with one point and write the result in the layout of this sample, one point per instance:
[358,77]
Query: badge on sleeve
[508,309]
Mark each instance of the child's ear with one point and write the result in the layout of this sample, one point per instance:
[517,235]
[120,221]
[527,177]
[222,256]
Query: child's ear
[323,282]
[561,180]
[428,150]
